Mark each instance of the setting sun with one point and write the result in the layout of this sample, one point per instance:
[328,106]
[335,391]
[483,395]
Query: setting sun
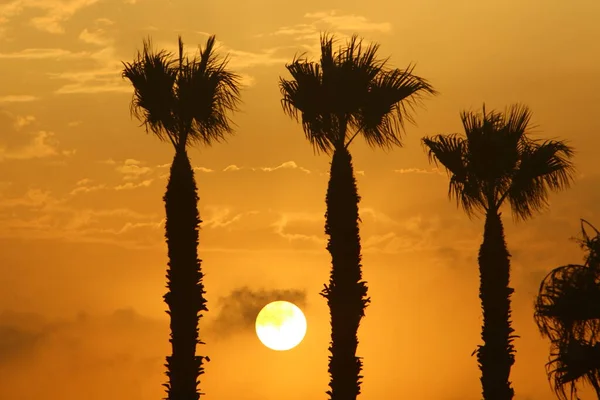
[280,325]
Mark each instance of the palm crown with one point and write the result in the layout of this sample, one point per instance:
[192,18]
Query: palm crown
[183,100]
[350,87]
[496,160]
[567,312]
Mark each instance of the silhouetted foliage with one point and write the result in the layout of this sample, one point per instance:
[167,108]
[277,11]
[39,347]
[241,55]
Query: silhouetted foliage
[495,161]
[567,311]
[353,89]
[184,101]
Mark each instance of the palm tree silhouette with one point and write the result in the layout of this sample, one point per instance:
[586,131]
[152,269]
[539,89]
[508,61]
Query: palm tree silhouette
[496,161]
[185,102]
[567,311]
[347,89]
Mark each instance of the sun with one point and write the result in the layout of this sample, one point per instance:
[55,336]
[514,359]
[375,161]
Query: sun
[280,325]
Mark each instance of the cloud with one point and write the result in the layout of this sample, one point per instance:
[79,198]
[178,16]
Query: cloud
[33,198]
[340,25]
[97,37]
[302,227]
[37,214]
[84,186]
[199,169]
[17,341]
[131,185]
[56,12]
[41,144]
[222,217]
[132,170]
[18,98]
[40,54]
[289,165]
[418,171]
[232,167]
[91,348]
[285,165]
[105,75]
[240,59]
[348,22]
[18,143]
[22,121]
[238,310]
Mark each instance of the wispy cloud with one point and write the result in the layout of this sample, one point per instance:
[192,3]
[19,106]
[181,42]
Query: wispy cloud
[222,217]
[86,189]
[348,22]
[288,165]
[42,144]
[105,76]
[340,24]
[285,165]
[97,37]
[18,98]
[232,167]
[55,12]
[132,185]
[22,121]
[418,171]
[299,227]
[39,214]
[40,54]
[132,169]
[201,169]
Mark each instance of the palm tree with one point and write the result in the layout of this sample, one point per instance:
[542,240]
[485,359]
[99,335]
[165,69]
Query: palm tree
[348,93]
[497,161]
[567,311]
[184,102]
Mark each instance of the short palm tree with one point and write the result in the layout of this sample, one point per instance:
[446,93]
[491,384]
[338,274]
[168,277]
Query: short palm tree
[348,93]
[567,311]
[497,161]
[184,102]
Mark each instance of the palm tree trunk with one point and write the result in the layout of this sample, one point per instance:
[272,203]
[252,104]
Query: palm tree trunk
[346,292]
[496,355]
[185,295]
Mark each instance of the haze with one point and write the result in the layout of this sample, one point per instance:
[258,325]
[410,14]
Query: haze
[82,253]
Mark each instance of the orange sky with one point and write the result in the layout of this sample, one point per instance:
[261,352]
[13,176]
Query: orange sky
[82,256]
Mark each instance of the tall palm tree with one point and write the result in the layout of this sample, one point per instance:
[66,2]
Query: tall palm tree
[347,93]
[496,161]
[567,311]
[183,101]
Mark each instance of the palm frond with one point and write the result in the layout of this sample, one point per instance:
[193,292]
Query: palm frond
[207,93]
[303,95]
[388,102]
[543,167]
[574,361]
[184,100]
[591,246]
[451,152]
[569,303]
[567,311]
[493,149]
[350,88]
[501,161]
[153,76]
[517,121]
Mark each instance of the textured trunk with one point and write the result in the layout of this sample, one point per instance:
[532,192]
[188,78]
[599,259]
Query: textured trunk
[346,292]
[185,295]
[496,355]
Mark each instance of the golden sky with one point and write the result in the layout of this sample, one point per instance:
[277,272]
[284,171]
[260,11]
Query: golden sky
[82,256]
